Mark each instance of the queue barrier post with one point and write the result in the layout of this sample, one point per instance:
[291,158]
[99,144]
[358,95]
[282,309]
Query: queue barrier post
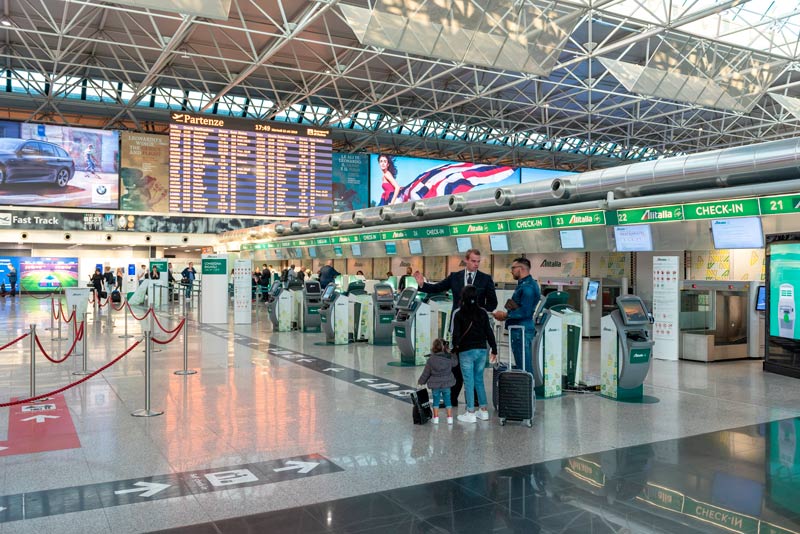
[84,370]
[152,328]
[147,412]
[33,361]
[185,371]
[52,307]
[125,312]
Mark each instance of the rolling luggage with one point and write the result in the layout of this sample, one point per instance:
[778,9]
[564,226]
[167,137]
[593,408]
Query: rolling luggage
[116,297]
[422,411]
[516,400]
[102,295]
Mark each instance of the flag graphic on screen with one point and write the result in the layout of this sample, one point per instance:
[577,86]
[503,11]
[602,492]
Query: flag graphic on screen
[453,178]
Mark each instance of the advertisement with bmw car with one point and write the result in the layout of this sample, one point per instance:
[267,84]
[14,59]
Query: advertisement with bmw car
[58,166]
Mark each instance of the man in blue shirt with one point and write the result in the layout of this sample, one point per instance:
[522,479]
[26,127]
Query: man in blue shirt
[189,275]
[327,274]
[520,308]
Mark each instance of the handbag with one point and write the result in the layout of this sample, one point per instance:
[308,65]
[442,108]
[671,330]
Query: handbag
[421,412]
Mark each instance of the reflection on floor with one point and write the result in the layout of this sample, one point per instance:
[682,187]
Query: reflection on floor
[282,425]
[745,480]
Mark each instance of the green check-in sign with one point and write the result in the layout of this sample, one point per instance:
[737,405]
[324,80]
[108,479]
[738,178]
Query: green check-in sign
[650,215]
[745,207]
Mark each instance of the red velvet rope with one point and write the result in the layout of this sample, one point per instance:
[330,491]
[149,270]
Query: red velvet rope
[20,338]
[143,317]
[164,329]
[177,331]
[56,315]
[91,297]
[67,355]
[81,330]
[122,303]
[39,298]
[72,385]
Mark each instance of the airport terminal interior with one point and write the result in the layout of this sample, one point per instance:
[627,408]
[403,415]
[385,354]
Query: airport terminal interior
[232,231]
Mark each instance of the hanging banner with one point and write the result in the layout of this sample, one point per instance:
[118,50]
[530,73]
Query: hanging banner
[666,304]
[242,291]
[144,172]
[214,288]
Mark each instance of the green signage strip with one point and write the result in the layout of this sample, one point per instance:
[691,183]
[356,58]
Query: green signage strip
[650,215]
[663,497]
[346,239]
[428,232]
[214,266]
[530,223]
[395,234]
[375,236]
[479,228]
[719,516]
[581,218]
[779,205]
[588,470]
[743,207]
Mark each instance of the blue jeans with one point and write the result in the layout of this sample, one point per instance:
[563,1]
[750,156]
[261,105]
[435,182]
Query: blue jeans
[517,347]
[188,292]
[441,394]
[473,363]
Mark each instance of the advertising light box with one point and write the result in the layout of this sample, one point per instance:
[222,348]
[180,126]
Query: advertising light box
[43,275]
[784,282]
[396,179]
[58,166]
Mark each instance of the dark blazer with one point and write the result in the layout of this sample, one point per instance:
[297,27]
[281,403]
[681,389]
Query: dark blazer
[487,298]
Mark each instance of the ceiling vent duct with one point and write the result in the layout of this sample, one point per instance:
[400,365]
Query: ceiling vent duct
[432,207]
[280,229]
[295,226]
[481,201]
[313,224]
[528,195]
[398,212]
[372,216]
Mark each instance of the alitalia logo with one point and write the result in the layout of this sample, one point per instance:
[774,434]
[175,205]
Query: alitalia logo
[657,215]
[581,219]
[398,235]
[550,263]
[475,228]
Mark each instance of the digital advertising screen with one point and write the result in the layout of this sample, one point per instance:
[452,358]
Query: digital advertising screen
[6,263]
[350,181]
[743,232]
[144,172]
[784,282]
[43,275]
[396,179]
[58,166]
[528,175]
[237,166]
[634,238]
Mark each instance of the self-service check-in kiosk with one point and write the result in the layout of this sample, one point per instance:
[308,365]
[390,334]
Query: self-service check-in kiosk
[359,303]
[295,288]
[557,345]
[412,328]
[279,304]
[626,349]
[441,307]
[312,302]
[382,315]
[334,316]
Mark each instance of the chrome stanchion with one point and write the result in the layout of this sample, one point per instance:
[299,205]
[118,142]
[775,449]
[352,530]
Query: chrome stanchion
[52,307]
[125,311]
[84,371]
[152,328]
[147,412]
[60,320]
[185,370]
[33,361]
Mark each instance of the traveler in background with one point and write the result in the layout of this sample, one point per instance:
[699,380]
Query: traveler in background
[519,312]
[97,282]
[402,284]
[154,274]
[455,282]
[12,280]
[327,274]
[188,276]
[109,278]
[118,286]
[141,275]
[472,331]
[291,274]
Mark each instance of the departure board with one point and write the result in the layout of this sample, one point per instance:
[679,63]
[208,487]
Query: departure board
[240,167]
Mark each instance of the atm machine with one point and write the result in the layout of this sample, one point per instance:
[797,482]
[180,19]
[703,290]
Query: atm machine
[557,345]
[626,349]
[382,315]
[412,329]
[279,306]
[333,315]
[312,302]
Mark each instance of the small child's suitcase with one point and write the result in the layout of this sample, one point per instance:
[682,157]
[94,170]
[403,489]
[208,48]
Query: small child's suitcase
[515,397]
[422,412]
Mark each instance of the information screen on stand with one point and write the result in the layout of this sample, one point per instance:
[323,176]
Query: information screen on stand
[235,166]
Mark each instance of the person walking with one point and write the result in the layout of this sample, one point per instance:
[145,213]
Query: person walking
[472,332]
[519,312]
[189,275]
[12,280]
[455,282]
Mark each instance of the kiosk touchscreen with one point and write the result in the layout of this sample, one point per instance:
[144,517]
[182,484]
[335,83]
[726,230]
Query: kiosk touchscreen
[761,299]
[406,300]
[592,290]
[327,295]
[633,311]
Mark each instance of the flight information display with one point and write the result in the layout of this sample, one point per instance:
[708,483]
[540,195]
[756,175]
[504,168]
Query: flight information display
[236,166]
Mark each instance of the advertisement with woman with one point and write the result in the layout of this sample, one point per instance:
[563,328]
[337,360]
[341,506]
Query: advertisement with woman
[395,179]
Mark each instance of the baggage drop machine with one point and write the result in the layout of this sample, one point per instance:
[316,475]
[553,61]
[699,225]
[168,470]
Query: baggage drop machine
[412,329]
[441,308]
[359,304]
[556,346]
[626,349]
[382,315]
[280,306]
[333,315]
[296,289]
[312,302]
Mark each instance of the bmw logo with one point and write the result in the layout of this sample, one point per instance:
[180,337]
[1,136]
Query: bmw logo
[101,190]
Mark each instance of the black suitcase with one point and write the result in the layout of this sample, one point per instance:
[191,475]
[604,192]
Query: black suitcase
[116,297]
[516,400]
[499,368]
[103,295]
[422,412]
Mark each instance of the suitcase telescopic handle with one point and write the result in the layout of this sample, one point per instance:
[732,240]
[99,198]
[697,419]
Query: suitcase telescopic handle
[511,344]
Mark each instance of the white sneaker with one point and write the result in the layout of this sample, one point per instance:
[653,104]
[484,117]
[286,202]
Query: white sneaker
[467,417]
[449,420]
[435,420]
[483,415]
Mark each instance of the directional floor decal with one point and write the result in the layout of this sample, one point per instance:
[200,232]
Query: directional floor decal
[374,383]
[40,427]
[122,492]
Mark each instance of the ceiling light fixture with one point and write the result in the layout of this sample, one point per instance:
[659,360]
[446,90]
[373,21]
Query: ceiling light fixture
[5,21]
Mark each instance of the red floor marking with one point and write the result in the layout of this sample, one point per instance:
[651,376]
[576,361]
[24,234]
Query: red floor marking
[39,427]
